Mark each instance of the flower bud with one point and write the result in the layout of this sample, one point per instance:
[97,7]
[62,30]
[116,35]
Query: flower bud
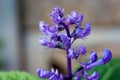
[106,56]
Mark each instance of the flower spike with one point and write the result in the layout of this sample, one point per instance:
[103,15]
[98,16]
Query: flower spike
[57,38]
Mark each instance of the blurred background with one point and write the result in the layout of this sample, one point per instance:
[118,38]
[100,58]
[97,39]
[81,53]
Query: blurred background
[19,32]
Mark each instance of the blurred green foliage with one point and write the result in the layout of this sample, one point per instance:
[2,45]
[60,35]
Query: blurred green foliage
[1,43]
[2,63]
[17,75]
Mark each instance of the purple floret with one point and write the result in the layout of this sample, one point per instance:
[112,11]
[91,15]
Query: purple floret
[51,75]
[81,32]
[75,18]
[81,50]
[44,27]
[57,15]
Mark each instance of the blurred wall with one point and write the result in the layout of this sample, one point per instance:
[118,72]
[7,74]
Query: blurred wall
[98,12]
[9,34]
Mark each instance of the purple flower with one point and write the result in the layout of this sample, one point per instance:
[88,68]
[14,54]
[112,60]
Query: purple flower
[93,57]
[77,78]
[57,15]
[93,76]
[43,73]
[54,37]
[106,56]
[81,50]
[44,27]
[60,27]
[51,75]
[71,54]
[89,66]
[87,29]
[51,44]
[52,30]
[75,18]
[61,40]
[43,41]
[47,29]
[82,73]
[64,40]
[81,32]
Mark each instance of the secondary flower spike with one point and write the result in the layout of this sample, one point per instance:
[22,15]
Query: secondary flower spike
[106,57]
[59,35]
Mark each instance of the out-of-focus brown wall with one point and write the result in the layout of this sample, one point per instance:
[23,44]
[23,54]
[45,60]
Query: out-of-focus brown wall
[98,12]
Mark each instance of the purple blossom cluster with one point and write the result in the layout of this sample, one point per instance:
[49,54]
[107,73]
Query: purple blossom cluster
[57,39]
